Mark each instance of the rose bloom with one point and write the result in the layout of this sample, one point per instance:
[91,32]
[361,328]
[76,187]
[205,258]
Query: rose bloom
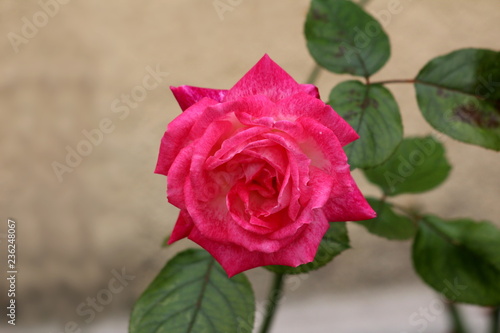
[258,171]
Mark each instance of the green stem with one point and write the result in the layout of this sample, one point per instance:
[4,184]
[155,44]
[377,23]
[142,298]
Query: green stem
[314,74]
[394,81]
[363,3]
[456,319]
[411,213]
[274,298]
[495,320]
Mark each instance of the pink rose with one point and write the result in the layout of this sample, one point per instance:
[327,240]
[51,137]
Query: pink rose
[258,170]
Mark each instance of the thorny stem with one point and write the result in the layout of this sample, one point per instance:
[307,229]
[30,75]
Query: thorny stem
[273,299]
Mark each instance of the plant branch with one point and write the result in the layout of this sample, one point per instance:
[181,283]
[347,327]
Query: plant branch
[394,81]
[411,213]
[314,74]
[456,319]
[495,320]
[273,299]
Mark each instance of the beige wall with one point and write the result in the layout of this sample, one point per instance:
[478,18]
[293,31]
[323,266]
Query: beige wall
[110,211]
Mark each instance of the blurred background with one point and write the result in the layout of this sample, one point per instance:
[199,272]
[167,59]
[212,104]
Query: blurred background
[98,71]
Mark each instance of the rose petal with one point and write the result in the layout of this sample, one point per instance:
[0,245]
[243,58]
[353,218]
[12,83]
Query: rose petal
[347,203]
[322,146]
[182,227]
[310,89]
[214,220]
[234,145]
[178,134]
[177,177]
[303,105]
[236,259]
[188,95]
[265,78]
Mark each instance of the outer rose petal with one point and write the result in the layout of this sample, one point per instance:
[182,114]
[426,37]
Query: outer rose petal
[311,89]
[349,204]
[177,176]
[188,95]
[182,227]
[178,135]
[302,105]
[269,79]
[236,259]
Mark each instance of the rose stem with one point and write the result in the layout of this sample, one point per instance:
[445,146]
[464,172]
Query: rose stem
[395,81]
[314,74]
[273,299]
[458,326]
[495,320]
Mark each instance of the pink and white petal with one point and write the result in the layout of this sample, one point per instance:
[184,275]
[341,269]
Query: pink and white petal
[304,105]
[188,95]
[307,240]
[177,176]
[236,259]
[233,145]
[310,89]
[298,164]
[264,78]
[237,202]
[317,193]
[347,203]
[322,146]
[215,222]
[212,114]
[178,135]
[182,227]
[207,145]
[270,152]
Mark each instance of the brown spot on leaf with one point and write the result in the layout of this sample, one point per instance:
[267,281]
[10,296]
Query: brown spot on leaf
[319,16]
[349,115]
[353,92]
[369,102]
[472,115]
[442,93]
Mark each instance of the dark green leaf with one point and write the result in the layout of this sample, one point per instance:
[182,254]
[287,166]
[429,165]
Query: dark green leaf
[343,38]
[192,293]
[460,259]
[459,95]
[334,242]
[417,165]
[388,224]
[374,114]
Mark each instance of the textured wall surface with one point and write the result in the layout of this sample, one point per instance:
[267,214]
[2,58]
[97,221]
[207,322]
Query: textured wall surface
[71,73]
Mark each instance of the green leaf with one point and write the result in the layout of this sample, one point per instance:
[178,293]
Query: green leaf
[374,114]
[334,242]
[417,165]
[460,259]
[192,293]
[343,38]
[388,224]
[459,95]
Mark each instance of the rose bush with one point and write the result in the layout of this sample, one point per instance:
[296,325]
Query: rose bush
[258,171]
